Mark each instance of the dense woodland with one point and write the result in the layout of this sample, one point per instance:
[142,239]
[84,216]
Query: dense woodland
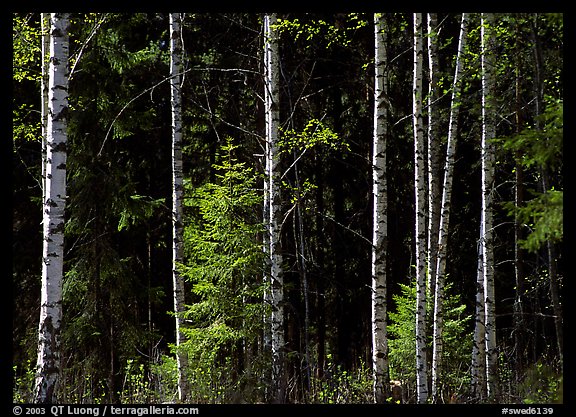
[293,208]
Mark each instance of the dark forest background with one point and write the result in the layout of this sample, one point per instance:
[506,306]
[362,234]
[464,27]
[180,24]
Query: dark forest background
[118,331]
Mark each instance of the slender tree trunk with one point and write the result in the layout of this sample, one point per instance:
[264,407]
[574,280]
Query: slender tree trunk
[437,343]
[267,280]
[44,91]
[420,194]
[177,197]
[488,134]
[434,185]
[478,371]
[272,95]
[381,375]
[48,363]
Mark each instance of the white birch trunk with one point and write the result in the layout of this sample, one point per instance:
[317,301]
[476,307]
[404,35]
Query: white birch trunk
[420,194]
[267,298]
[437,343]
[45,55]
[177,196]
[272,96]
[48,362]
[478,371]
[488,133]
[434,187]
[380,370]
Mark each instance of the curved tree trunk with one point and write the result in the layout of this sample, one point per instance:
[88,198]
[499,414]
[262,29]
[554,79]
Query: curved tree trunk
[48,362]
[381,376]
[177,196]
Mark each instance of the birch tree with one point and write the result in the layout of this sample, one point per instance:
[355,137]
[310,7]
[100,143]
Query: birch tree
[48,365]
[434,183]
[487,156]
[478,367]
[420,194]
[272,116]
[445,212]
[177,195]
[379,215]
[45,51]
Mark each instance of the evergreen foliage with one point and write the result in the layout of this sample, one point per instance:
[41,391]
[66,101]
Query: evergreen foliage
[457,338]
[541,148]
[223,265]
[118,329]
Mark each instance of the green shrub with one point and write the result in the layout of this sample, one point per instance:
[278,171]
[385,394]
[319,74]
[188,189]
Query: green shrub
[456,335]
[543,384]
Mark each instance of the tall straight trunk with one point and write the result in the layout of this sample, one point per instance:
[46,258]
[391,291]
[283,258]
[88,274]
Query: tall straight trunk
[381,374]
[434,186]
[272,96]
[487,155]
[437,341]
[478,367]
[420,196]
[48,362]
[267,280]
[177,196]
[45,51]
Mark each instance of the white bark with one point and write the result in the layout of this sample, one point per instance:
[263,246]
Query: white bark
[445,213]
[177,196]
[488,133]
[45,55]
[267,334]
[478,371]
[434,178]
[380,370]
[272,96]
[48,362]
[420,194]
